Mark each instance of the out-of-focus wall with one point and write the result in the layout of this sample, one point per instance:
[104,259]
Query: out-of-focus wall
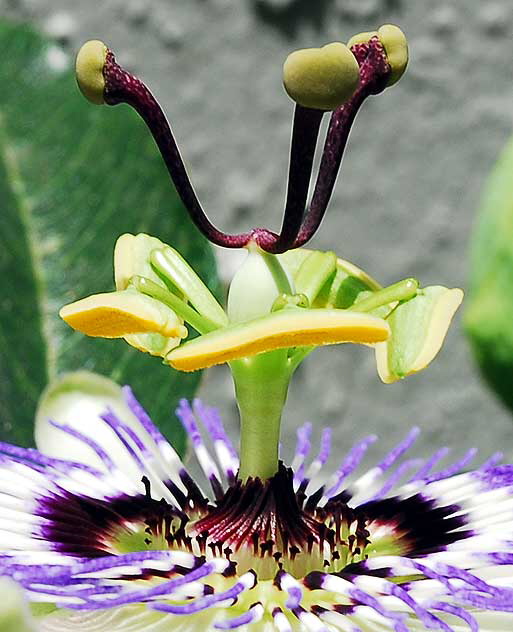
[409,187]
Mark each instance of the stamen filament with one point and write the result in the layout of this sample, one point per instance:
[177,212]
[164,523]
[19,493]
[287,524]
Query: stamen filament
[313,273]
[401,291]
[200,323]
[170,264]
[297,356]
[277,271]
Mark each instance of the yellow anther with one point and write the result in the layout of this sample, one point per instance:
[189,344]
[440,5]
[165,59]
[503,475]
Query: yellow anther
[89,70]
[321,78]
[118,314]
[396,48]
[278,330]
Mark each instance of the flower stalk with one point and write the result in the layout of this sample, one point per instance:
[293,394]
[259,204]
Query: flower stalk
[261,386]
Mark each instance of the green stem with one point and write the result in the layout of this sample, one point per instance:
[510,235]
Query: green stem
[278,273]
[297,356]
[261,385]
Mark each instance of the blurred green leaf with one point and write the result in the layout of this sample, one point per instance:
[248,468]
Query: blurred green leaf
[73,177]
[489,315]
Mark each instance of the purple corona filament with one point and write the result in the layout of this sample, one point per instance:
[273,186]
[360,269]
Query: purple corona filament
[299,223]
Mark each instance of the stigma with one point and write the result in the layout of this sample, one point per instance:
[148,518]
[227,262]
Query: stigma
[336,78]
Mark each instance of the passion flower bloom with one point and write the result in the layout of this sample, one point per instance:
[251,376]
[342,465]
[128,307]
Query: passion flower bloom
[132,541]
[405,545]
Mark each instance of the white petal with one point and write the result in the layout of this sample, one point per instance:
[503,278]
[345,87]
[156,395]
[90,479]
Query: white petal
[78,400]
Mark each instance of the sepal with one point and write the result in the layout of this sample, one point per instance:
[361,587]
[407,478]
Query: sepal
[14,611]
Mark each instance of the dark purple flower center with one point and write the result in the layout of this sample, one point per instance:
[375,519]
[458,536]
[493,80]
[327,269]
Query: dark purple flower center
[266,526]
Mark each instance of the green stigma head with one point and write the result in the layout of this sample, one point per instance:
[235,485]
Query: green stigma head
[89,70]
[396,48]
[321,78]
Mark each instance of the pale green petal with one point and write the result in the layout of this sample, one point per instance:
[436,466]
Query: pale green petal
[419,327]
[136,618]
[78,399]
[14,612]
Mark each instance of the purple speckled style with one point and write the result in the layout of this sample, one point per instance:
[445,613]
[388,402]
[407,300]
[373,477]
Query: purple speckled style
[300,219]
[424,546]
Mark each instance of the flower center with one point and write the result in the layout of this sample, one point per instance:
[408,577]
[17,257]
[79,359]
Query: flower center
[264,526]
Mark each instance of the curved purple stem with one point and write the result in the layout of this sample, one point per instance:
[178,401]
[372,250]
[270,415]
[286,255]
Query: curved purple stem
[122,87]
[374,74]
[298,226]
[302,150]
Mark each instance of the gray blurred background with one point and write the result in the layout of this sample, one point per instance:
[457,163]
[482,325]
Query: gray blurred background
[409,188]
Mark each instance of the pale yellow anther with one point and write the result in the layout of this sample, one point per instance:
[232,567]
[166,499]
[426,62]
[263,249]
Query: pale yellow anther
[286,328]
[118,314]
[396,47]
[89,70]
[132,257]
[361,38]
[321,78]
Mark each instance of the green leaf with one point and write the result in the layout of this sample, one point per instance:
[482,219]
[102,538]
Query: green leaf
[73,177]
[419,326]
[488,319]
